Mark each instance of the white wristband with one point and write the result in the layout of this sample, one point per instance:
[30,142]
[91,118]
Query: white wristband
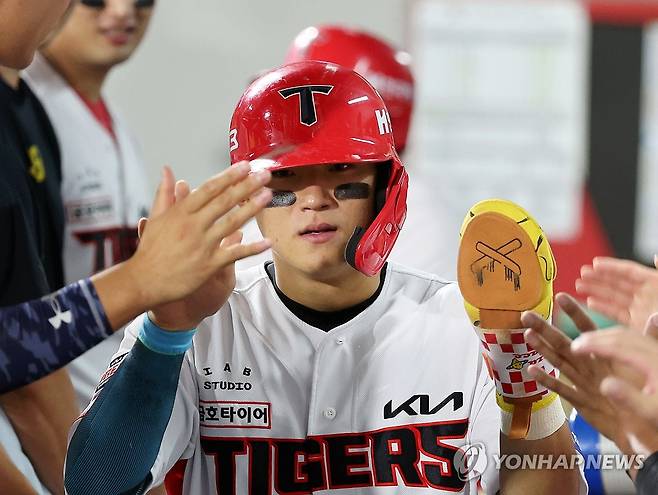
[546,418]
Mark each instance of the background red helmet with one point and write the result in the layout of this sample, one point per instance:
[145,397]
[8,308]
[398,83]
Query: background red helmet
[385,67]
[313,113]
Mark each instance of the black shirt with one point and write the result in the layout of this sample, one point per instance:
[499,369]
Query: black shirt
[324,320]
[31,212]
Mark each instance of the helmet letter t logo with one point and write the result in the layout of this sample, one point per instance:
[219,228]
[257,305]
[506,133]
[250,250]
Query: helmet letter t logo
[307,114]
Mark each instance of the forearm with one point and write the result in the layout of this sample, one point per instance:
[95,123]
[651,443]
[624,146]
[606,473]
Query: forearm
[143,389]
[42,335]
[540,481]
[120,293]
[41,414]
[11,479]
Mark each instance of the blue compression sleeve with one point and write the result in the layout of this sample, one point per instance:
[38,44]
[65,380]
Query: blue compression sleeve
[42,335]
[117,441]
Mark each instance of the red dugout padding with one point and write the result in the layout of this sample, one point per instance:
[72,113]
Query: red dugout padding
[622,12]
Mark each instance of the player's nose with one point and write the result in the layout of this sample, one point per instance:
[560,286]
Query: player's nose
[315,198]
[120,9]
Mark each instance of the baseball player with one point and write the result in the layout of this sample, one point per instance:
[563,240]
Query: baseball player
[328,370]
[388,70]
[89,310]
[104,186]
[173,259]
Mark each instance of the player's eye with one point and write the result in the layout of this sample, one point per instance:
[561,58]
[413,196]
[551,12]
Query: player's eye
[282,174]
[341,167]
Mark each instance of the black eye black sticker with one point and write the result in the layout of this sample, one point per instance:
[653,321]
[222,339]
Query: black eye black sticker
[282,198]
[352,190]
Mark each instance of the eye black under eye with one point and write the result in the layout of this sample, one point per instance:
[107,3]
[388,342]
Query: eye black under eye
[282,174]
[341,167]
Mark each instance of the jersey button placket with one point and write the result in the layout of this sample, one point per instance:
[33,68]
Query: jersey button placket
[330,413]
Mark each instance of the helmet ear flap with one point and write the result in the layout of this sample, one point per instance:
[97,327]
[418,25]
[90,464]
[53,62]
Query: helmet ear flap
[382,178]
[352,244]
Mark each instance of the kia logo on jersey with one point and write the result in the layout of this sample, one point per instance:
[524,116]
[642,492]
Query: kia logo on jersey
[307,113]
[419,404]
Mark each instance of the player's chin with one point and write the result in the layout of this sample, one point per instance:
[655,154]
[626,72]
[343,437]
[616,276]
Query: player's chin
[114,54]
[326,263]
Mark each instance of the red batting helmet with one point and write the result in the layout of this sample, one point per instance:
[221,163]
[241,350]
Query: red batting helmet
[385,67]
[313,113]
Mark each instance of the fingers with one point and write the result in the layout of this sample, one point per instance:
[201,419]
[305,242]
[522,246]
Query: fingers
[651,328]
[602,274]
[554,346]
[562,389]
[609,310]
[235,196]
[622,270]
[240,251]
[553,336]
[237,217]
[215,186]
[622,346]
[232,239]
[597,288]
[556,358]
[575,312]
[164,196]
[182,190]
[627,398]
[141,225]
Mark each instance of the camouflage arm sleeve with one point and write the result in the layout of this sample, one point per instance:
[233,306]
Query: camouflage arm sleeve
[42,335]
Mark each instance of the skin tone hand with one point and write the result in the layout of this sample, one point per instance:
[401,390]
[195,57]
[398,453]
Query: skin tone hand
[211,295]
[584,373]
[181,249]
[621,290]
[637,402]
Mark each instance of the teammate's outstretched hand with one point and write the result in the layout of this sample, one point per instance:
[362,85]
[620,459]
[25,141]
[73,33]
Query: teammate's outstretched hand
[636,401]
[186,243]
[584,374]
[622,290]
[180,249]
[207,298]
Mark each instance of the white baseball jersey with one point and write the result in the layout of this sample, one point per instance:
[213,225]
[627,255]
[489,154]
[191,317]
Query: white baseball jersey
[267,404]
[104,189]
[429,240]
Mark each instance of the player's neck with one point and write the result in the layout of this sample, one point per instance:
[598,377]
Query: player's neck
[335,294]
[10,76]
[86,79]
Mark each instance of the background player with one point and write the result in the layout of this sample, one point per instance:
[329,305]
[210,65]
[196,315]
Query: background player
[92,308]
[104,187]
[161,270]
[34,420]
[309,366]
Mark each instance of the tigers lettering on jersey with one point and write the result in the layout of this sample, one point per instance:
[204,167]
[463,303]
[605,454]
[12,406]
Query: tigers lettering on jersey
[409,455]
